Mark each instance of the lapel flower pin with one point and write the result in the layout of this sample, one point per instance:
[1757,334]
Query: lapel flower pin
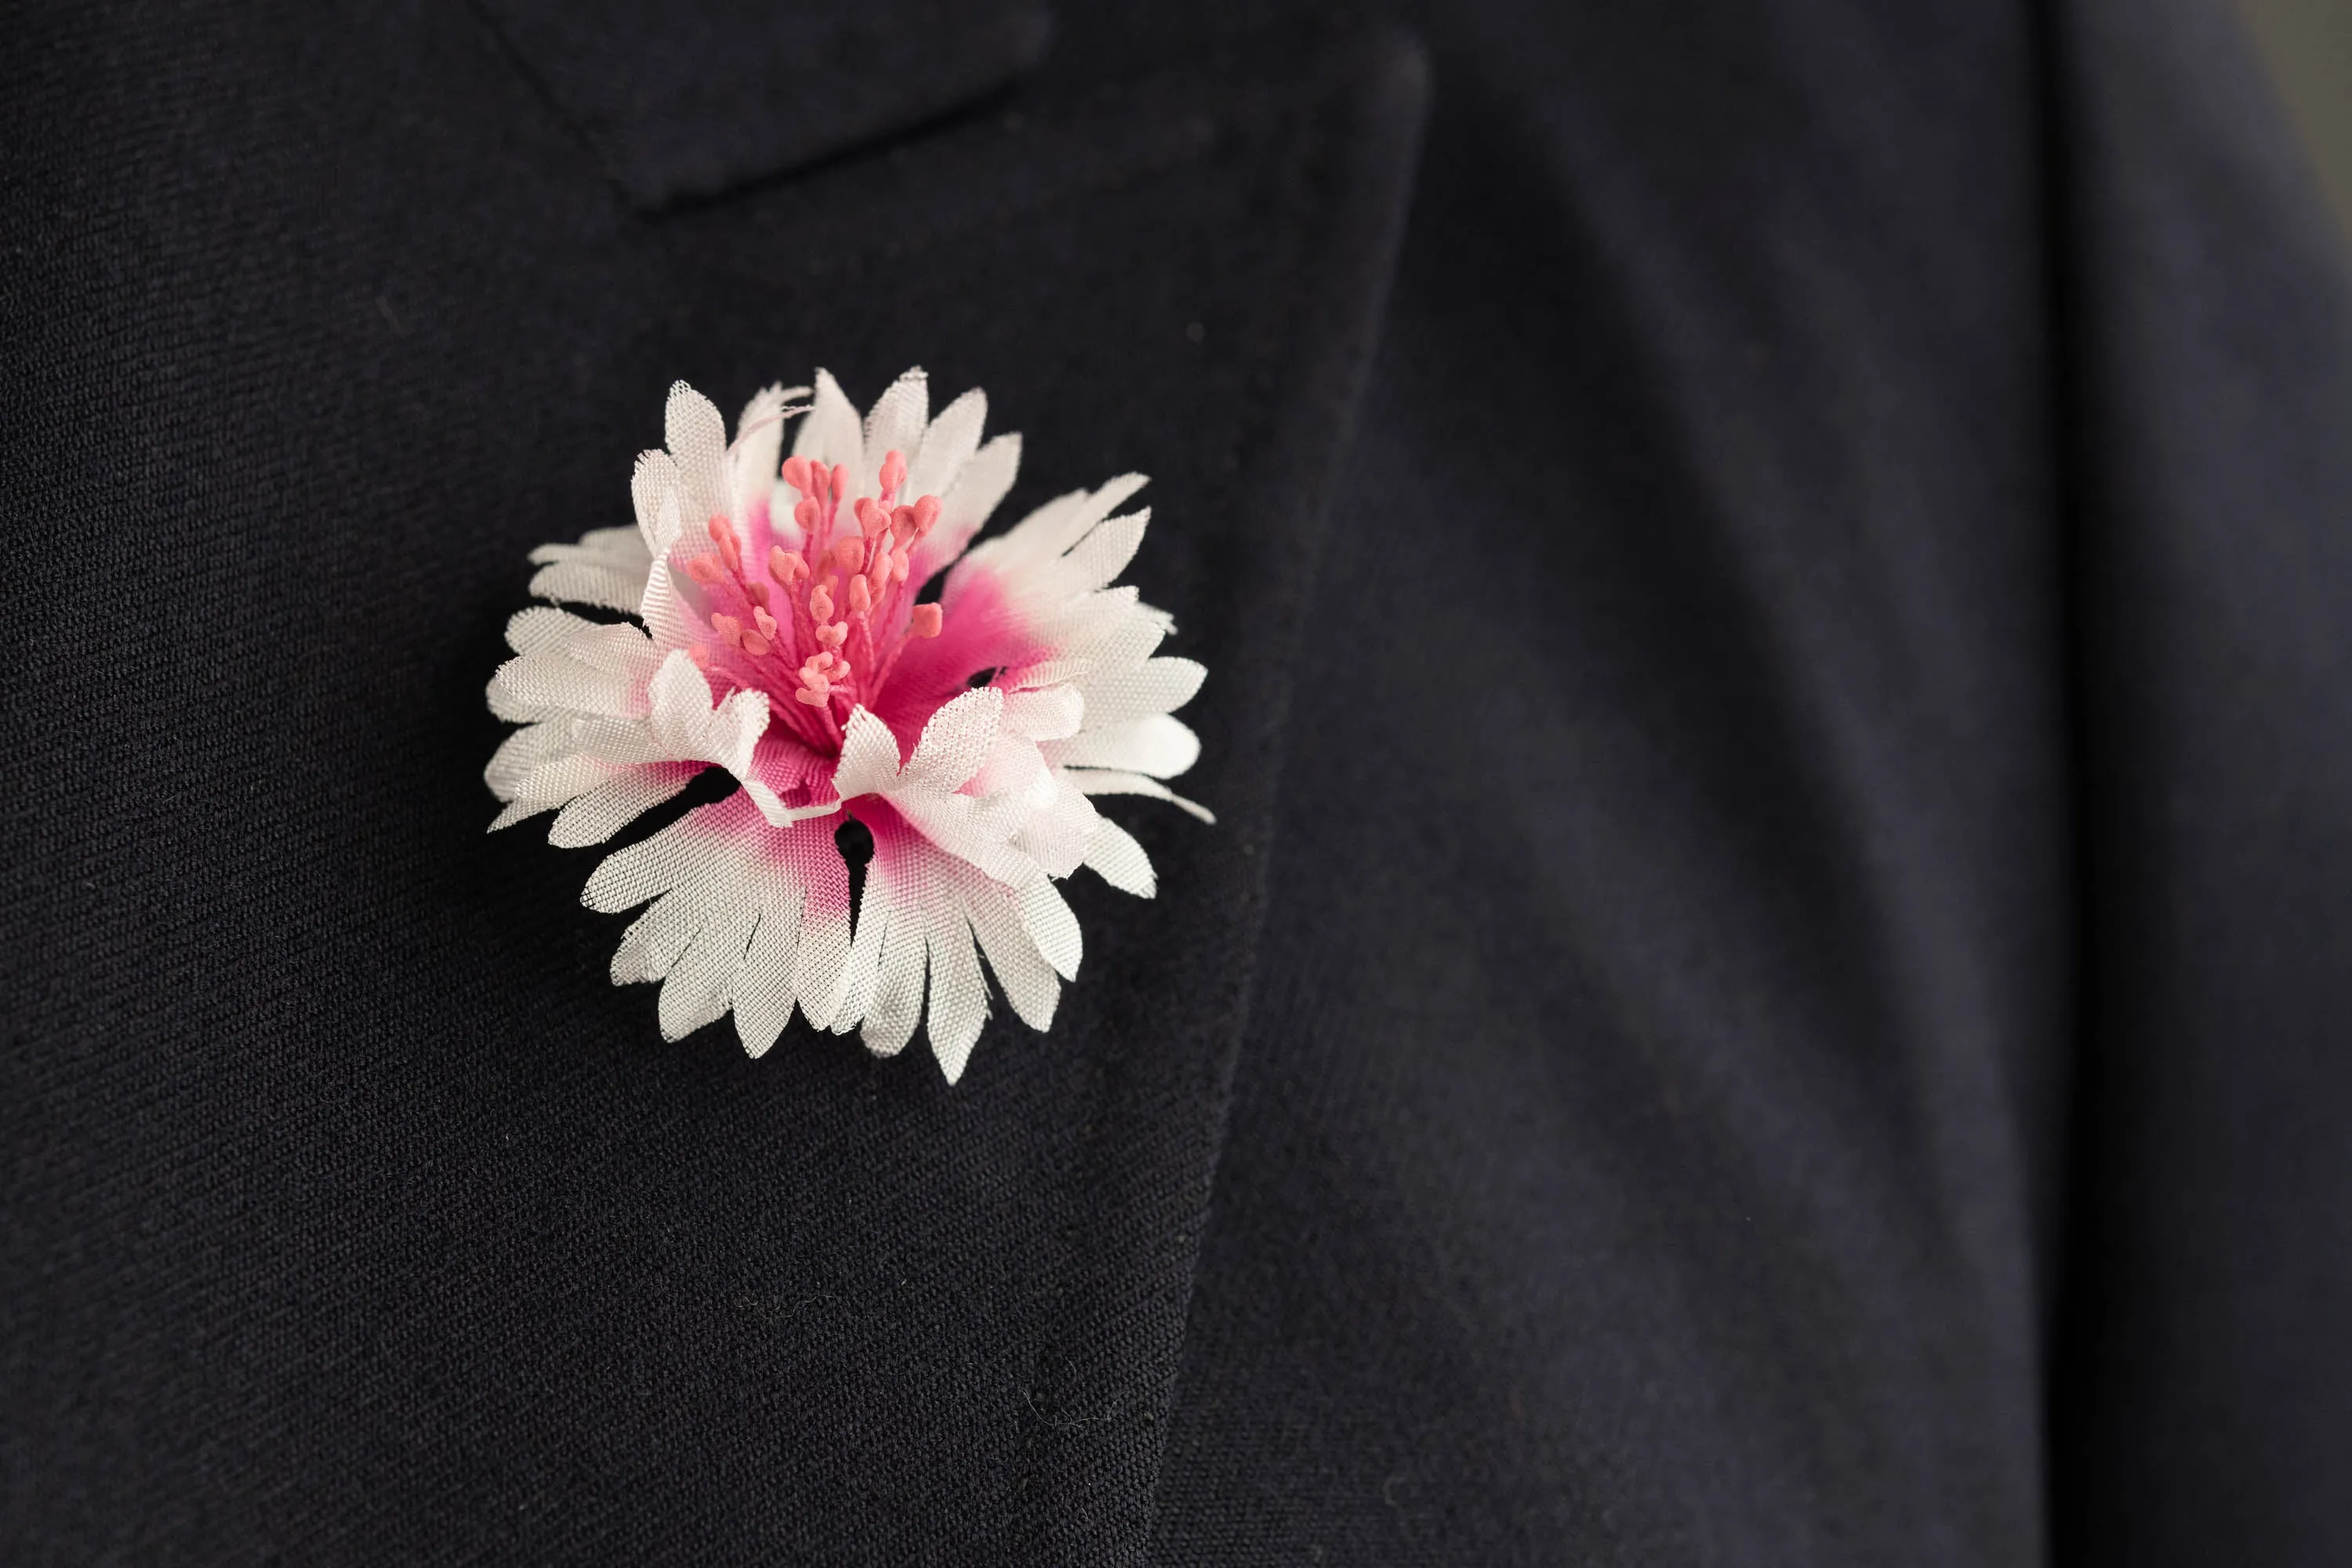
[780,633]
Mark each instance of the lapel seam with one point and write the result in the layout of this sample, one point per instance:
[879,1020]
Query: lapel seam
[1361,103]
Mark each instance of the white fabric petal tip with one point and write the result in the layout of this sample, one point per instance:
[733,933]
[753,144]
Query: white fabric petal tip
[778,636]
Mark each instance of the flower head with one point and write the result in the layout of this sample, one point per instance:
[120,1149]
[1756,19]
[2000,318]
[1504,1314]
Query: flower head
[780,634]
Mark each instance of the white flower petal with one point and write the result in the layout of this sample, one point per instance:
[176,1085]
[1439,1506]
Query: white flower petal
[604,811]
[513,709]
[1057,836]
[685,722]
[832,432]
[696,438]
[650,869]
[947,446]
[556,782]
[607,568]
[590,582]
[955,742]
[1120,637]
[964,508]
[657,939]
[664,608]
[763,989]
[821,966]
[1159,744]
[1047,917]
[717,877]
[1052,714]
[916,958]
[618,647]
[870,757]
[623,542]
[1102,625]
[1016,767]
[1029,981]
[752,461]
[570,667]
[681,724]
[1104,554]
[1119,860]
[1060,523]
[658,492]
[661,502]
[973,829]
[540,685]
[1155,686]
[958,997]
[542,628]
[524,750]
[517,812]
[1106,781]
[898,422]
[863,974]
[700,987]
[898,1003]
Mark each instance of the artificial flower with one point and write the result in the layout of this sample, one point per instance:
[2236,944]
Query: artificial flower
[780,634]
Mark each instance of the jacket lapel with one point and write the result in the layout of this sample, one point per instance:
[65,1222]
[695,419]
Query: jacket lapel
[973,1298]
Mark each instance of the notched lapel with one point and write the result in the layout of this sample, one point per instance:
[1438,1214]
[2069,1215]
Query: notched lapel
[982,1289]
[689,98]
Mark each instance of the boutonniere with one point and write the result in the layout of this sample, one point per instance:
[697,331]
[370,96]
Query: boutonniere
[781,632]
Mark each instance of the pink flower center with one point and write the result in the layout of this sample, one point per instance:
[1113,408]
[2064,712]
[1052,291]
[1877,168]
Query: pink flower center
[818,628]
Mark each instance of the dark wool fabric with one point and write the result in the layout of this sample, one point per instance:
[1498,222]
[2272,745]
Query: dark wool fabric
[1778,589]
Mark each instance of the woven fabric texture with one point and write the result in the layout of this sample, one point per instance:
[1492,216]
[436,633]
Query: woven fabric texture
[1766,982]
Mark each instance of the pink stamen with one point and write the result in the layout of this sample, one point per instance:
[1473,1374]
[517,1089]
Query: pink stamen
[722,535]
[834,598]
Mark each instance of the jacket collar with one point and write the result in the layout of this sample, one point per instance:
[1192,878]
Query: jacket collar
[687,102]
